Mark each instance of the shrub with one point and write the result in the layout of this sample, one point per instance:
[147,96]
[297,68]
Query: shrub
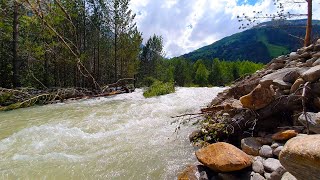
[159,88]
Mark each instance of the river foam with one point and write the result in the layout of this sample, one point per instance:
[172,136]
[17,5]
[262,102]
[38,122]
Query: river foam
[120,137]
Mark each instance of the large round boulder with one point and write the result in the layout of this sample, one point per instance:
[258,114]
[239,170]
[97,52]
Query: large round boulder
[301,157]
[223,157]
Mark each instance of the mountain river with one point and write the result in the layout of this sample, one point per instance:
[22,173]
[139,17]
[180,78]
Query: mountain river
[120,137]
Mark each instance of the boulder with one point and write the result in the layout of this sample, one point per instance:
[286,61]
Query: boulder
[277,77]
[271,164]
[301,157]
[284,135]
[288,176]
[266,151]
[257,166]
[251,146]
[258,98]
[223,157]
[313,119]
[296,85]
[312,75]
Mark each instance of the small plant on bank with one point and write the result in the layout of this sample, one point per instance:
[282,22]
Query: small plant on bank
[159,88]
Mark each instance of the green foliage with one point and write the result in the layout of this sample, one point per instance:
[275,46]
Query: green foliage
[159,88]
[201,77]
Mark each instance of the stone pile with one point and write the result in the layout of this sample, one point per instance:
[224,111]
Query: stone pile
[261,124]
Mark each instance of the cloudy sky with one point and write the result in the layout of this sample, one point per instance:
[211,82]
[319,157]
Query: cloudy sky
[187,25]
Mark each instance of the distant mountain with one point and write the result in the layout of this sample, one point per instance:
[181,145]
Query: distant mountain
[259,44]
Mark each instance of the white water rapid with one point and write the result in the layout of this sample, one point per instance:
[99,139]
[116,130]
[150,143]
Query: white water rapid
[121,137]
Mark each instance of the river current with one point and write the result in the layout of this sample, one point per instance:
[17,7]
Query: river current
[122,137]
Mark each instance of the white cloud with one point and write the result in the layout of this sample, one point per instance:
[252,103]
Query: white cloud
[187,25]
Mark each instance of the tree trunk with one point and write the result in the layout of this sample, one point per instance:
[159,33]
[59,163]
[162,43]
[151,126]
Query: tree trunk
[307,40]
[15,35]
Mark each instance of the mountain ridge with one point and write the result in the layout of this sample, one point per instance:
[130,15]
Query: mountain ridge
[260,43]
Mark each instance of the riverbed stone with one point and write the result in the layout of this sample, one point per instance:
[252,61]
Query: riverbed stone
[312,75]
[313,119]
[258,98]
[277,151]
[284,135]
[257,176]
[271,164]
[265,151]
[257,166]
[301,157]
[277,174]
[288,176]
[296,85]
[223,157]
[251,146]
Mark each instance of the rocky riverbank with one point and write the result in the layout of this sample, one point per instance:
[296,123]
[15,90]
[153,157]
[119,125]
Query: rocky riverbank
[257,129]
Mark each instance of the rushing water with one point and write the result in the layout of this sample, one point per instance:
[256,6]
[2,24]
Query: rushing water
[121,137]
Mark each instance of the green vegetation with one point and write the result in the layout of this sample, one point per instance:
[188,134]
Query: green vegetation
[159,88]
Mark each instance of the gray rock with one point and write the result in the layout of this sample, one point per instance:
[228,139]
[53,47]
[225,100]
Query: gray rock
[291,77]
[276,66]
[250,146]
[316,55]
[271,164]
[277,151]
[277,174]
[301,157]
[276,144]
[267,175]
[288,176]
[313,119]
[293,55]
[312,75]
[265,151]
[257,167]
[203,175]
[257,176]
[310,62]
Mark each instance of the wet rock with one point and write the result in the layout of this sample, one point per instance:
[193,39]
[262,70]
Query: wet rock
[223,157]
[271,164]
[257,166]
[284,135]
[313,119]
[258,98]
[301,157]
[190,173]
[257,176]
[296,85]
[195,172]
[277,151]
[312,75]
[288,176]
[265,151]
[250,146]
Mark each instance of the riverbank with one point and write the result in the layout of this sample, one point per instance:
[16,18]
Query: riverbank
[257,116]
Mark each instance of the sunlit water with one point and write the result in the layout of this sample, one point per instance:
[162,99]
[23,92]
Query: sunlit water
[120,137]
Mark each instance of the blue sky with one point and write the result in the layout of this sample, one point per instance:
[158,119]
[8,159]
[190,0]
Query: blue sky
[187,25]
